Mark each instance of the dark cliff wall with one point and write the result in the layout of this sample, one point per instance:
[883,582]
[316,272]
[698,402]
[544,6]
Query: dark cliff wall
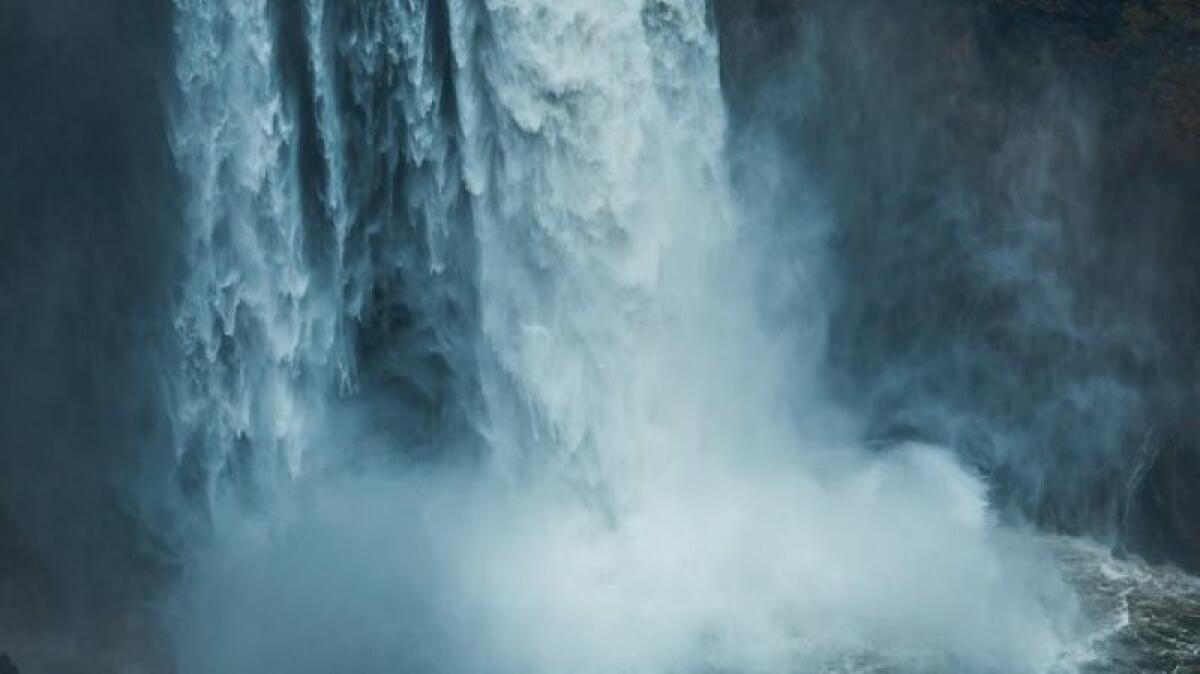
[87,224]
[1012,190]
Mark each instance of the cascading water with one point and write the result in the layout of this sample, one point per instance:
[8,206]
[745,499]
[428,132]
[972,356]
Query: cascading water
[525,203]
[277,290]
[256,331]
[592,150]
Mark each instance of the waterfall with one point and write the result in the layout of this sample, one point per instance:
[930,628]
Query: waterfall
[592,149]
[594,180]
[277,292]
[255,327]
[518,236]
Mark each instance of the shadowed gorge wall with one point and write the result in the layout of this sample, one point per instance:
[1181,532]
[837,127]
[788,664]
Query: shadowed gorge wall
[1012,189]
[88,220]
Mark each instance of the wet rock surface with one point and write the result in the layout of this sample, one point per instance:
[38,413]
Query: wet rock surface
[1153,47]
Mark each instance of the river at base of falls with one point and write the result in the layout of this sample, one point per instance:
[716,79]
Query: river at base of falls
[1148,616]
[1142,619]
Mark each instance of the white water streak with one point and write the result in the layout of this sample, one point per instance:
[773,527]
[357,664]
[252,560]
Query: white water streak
[257,335]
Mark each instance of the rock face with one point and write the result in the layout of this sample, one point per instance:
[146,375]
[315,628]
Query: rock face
[1151,46]
[1010,189]
[87,208]
[7,666]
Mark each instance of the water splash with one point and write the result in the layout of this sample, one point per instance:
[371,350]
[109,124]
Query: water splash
[532,194]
